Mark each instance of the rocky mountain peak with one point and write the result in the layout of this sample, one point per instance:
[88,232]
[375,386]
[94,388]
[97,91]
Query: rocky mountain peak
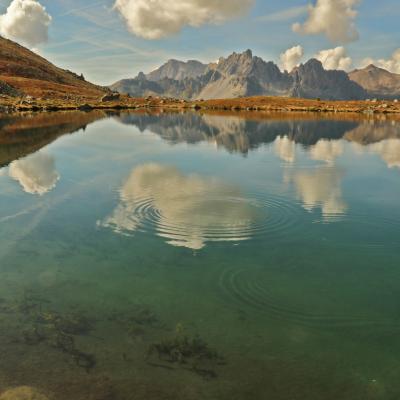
[236,63]
[248,53]
[312,65]
[177,70]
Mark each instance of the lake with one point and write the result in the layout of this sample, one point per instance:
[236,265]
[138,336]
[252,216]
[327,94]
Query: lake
[188,256]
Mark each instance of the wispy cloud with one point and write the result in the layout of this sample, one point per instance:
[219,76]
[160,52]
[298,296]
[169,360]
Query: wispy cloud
[85,8]
[284,15]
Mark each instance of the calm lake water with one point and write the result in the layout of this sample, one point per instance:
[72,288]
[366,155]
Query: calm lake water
[200,257]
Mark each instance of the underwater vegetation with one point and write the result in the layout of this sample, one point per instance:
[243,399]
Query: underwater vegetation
[55,329]
[137,315]
[42,323]
[184,351]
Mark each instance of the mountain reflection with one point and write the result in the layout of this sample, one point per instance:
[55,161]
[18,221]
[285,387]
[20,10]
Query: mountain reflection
[323,138]
[235,133]
[24,134]
[187,210]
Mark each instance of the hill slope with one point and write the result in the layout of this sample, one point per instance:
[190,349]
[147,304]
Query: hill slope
[31,74]
[377,81]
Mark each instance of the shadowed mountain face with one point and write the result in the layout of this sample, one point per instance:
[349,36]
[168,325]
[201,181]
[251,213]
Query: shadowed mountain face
[312,81]
[242,75]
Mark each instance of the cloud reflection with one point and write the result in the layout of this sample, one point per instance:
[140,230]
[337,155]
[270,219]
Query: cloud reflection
[36,173]
[285,149]
[389,150]
[326,150]
[187,210]
[321,188]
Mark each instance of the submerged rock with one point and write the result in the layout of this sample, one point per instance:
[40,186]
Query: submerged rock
[23,393]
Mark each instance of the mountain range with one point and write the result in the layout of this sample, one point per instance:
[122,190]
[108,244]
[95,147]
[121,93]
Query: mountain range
[245,75]
[234,133]
[23,72]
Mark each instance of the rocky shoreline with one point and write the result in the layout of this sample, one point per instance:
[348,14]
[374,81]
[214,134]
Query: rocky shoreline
[260,104]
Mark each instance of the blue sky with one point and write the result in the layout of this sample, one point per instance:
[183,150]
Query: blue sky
[91,36]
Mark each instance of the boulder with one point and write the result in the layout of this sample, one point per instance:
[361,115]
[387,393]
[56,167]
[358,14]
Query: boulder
[23,393]
[110,97]
[84,107]
[9,90]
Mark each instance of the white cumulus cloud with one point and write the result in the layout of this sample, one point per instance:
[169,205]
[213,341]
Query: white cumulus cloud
[25,21]
[291,57]
[155,19]
[333,18]
[335,58]
[392,64]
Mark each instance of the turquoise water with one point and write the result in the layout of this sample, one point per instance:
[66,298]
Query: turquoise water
[181,256]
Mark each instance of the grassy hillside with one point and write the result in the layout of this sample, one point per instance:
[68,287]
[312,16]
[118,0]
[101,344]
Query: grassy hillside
[35,76]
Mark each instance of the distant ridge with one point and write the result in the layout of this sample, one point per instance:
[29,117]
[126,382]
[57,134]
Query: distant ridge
[378,82]
[242,75]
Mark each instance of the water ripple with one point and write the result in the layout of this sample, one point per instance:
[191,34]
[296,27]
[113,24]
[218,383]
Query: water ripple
[245,289]
[191,210]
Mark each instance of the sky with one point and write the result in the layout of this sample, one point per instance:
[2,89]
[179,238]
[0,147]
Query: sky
[108,40]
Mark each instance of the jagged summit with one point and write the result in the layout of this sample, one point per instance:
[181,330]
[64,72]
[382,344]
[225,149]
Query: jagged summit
[177,70]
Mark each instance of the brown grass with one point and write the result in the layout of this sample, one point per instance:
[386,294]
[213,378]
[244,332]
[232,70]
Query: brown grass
[37,77]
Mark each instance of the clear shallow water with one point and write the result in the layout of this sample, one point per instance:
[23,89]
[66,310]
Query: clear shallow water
[180,256]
